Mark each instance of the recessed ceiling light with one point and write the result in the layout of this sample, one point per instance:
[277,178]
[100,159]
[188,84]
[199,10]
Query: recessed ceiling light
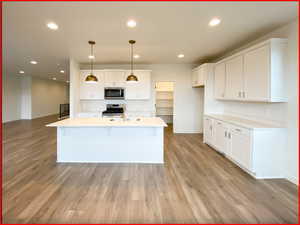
[52,26]
[214,22]
[21,71]
[180,56]
[136,56]
[91,57]
[131,23]
[54,78]
[33,62]
[62,71]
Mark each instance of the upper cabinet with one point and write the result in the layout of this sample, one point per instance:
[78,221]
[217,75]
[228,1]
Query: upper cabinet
[199,74]
[91,91]
[140,90]
[220,79]
[116,78]
[255,74]
[234,78]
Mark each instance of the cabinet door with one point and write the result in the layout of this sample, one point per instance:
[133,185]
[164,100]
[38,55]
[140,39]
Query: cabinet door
[240,147]
[220,79]
[90,91]
[194,77]
[221,136]
[115,78]
[257,74]
[201,75]
[208,130]
[140,90]
[234,78]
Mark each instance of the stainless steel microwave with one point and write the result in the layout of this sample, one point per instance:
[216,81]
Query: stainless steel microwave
[114,93]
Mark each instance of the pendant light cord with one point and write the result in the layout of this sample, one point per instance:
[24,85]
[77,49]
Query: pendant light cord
[131,58]
[92,53]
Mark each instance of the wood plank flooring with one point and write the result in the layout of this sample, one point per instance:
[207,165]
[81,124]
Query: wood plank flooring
[195,185]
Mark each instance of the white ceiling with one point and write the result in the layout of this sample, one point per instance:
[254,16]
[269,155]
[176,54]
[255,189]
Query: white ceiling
[164,30]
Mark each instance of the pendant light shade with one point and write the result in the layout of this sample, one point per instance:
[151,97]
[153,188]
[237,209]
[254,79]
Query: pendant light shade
[91,78]
[132,78]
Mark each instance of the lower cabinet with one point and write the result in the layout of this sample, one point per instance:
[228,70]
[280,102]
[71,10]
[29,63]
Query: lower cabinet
[251,149]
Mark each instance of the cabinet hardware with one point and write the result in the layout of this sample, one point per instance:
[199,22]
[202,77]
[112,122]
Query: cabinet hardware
[239,130]
[219,123]
[229,135]
[243,94]
[225,133]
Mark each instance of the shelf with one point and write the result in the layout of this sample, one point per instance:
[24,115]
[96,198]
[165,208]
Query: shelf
[165,99]
[164,114]
[164,91]
[165,107]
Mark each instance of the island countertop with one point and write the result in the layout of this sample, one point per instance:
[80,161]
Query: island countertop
[110,122]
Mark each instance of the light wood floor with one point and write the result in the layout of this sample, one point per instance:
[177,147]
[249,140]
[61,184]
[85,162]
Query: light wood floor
[195,185]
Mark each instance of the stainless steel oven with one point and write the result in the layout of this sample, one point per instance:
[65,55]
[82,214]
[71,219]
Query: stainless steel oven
[114,93]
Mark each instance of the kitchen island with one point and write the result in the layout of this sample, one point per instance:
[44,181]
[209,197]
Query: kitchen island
[110,140]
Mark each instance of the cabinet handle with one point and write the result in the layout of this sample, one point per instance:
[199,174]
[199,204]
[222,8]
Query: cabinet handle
[219,123]
[229,135]
[239,130]
[225,133]
[244,94]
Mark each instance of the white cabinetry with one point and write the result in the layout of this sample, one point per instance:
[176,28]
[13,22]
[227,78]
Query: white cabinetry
[221,135]
[220,79]
[208,130]
[240,147]
[115,78]
[257,74]
[199,74]
[234,78]
[140,90]
[90,91]
[252,148]
[254,74]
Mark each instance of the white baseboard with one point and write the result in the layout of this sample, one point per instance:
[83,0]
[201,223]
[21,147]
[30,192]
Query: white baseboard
[292,179]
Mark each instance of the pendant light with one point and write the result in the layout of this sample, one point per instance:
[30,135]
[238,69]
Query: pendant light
[91,78]
[131,78]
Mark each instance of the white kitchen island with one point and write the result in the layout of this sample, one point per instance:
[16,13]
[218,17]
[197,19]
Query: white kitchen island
[105,140]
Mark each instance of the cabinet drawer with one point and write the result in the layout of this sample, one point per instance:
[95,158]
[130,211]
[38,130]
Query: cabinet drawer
[240,130]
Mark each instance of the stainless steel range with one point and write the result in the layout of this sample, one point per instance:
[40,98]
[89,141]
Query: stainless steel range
[113,110]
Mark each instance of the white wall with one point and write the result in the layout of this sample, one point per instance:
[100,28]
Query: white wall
[283,113]
[11,97]
[46,95]
[188,101]
[26,97]
[75,106]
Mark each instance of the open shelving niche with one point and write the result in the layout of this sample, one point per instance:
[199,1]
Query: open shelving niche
[164,101]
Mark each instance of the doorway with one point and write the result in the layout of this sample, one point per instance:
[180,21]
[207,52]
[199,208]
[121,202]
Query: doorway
[164,102]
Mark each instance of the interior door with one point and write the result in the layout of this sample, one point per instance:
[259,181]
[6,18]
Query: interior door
[240,146]
[234,78]
[257,74]
[220,79]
